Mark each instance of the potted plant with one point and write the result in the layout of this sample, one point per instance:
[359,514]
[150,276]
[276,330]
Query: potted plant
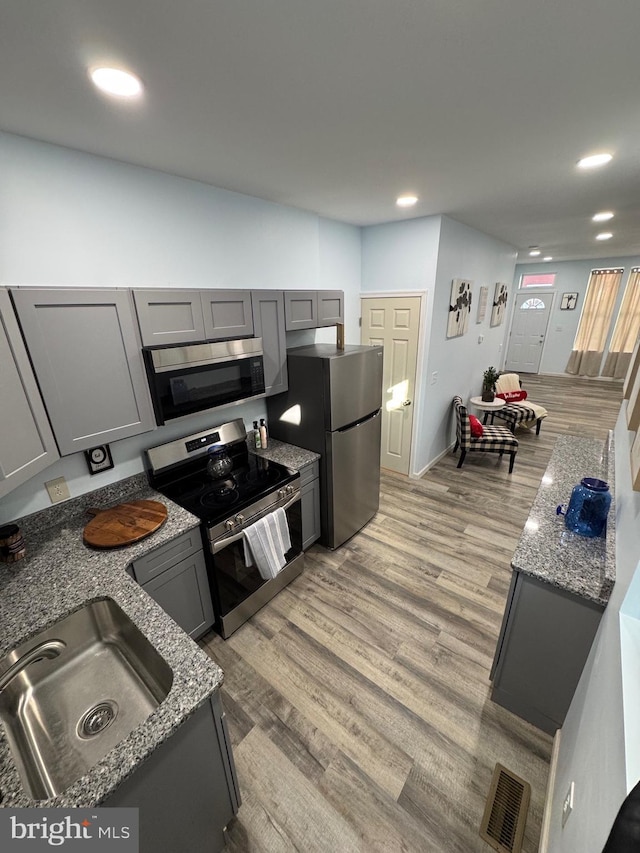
[489,379]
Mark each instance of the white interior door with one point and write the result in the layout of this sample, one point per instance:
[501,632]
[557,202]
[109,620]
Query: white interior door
[394,323]
[528,331]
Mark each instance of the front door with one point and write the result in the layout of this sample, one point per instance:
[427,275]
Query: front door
[394,323]
[528,330]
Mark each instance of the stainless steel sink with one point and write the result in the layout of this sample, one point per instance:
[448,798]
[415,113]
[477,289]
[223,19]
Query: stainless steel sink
[74,691]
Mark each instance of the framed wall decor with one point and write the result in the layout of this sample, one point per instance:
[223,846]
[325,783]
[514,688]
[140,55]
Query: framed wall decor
[635,463]
[633,406]
[569,301]
[499,308]
[632,372]
[483,296]
[459,308]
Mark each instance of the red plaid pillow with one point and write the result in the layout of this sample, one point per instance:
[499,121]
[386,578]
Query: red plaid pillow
[513,396]
[476,427]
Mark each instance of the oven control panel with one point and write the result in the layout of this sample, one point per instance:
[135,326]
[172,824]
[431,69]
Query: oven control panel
[202,441]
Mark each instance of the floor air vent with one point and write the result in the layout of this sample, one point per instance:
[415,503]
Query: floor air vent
[505,813]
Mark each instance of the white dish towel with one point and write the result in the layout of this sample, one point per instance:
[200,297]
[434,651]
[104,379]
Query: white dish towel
[266,542]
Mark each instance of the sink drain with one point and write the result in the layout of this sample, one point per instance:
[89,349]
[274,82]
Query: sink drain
[97,719]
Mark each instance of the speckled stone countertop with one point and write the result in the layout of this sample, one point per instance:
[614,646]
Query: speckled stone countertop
[551,553]
[285,454]
[59,575]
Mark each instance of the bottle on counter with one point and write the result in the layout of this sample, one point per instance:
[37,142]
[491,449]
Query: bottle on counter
[264,438]
[256,436]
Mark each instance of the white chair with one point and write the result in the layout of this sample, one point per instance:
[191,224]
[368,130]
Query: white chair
[522,412]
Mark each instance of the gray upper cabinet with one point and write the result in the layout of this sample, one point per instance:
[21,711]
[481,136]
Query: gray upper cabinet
[86,354]
[309,309]
[227,314]
[27,445]
[169,316]
[184,316]
[330,307]
[268,322]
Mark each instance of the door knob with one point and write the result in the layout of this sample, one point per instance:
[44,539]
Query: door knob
[406,402]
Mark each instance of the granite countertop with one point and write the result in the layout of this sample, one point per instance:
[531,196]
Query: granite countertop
[551,553]
[59,575]
[285,454]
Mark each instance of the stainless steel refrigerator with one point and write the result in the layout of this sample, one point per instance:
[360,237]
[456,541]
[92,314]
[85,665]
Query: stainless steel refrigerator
[333,407]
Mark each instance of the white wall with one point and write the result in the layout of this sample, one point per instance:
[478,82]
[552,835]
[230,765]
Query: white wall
[73,219]
[460,362]
[592,746]
[571,277]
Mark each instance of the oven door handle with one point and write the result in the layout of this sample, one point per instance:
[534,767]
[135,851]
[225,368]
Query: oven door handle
[219,544]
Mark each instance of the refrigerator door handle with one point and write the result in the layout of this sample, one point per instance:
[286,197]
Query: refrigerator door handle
[361,421]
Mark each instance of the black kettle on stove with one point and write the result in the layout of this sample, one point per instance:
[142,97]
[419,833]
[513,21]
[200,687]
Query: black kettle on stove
[219,463]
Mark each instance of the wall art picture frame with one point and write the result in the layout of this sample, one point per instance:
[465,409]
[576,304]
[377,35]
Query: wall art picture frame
[459,307]
[569,301]
[483,298]
[499,308]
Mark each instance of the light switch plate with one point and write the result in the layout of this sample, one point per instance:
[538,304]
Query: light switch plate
[98,458]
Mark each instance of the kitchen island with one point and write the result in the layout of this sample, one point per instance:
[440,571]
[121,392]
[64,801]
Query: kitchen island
[58,576]
[560,585]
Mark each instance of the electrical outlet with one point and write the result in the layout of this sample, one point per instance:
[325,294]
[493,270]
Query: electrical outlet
[58,490]
[434,377]
[480,338]
[567,804]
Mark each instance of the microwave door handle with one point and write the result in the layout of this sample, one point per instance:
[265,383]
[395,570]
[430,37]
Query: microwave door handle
[219,544]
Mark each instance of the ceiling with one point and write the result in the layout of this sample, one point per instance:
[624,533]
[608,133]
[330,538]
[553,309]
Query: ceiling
[479,107]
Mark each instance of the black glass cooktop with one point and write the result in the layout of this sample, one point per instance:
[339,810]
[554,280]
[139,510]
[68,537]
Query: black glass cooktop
[212,498]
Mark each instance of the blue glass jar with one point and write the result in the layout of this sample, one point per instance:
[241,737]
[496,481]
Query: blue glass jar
[588,507]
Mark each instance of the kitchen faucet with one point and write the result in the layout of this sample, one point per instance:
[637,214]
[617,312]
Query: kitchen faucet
[48,649]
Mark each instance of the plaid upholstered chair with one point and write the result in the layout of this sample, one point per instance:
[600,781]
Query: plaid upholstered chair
[494,439]
[523,412]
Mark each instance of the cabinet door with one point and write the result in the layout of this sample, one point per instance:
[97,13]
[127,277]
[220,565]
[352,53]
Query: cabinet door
[169,316]
[268,323]
[300,309]
[86,354]
[183,592]
[26,441]
[227,314]
[330,307]
[310,510]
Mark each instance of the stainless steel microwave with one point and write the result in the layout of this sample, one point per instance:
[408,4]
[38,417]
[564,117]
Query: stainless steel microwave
[187,379]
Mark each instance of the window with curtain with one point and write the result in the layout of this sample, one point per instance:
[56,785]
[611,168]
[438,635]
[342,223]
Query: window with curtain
[626,331]
[597,311]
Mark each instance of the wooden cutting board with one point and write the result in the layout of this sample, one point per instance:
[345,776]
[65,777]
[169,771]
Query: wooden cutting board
[124,524]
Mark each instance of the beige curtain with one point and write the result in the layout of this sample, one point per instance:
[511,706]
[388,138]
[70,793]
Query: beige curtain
[626,331]
[588,346]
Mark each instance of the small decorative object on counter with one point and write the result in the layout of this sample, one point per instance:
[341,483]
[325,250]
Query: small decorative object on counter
[588,507]
[256,436]
[489,379]
[264,438]
[12,544]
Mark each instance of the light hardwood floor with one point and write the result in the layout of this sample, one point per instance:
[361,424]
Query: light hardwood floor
[358,699]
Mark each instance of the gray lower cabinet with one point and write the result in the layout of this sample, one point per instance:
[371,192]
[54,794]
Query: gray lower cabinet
[175,576]
[310,504]
[85,351]
[176,316]
[309,309]
[27,445]
[269,324]
[186,791]
[544,642]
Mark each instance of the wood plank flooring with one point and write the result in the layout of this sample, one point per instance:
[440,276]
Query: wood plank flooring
[358,699]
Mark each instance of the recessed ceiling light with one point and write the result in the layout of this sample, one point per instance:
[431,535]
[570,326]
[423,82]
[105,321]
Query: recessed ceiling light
[594,160]
[114,81]
[406,200]
[604,235]
[547,258]
[603,216]
[534,252]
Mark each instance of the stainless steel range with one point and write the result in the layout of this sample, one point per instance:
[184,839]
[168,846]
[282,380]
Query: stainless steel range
[212,475]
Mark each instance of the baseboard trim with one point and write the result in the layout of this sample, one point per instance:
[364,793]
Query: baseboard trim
[433,462]
[548,800]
